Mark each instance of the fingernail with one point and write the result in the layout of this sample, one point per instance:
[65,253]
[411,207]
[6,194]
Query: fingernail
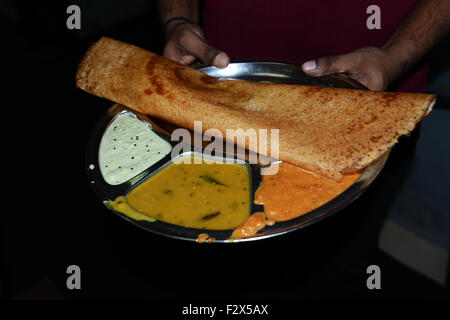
[309,65]
[221,60]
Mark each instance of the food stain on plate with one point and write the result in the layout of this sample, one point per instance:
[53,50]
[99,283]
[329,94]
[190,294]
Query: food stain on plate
[199,194]
[121,205]
[128,147]
[204,237]
[293,192]
[253,224]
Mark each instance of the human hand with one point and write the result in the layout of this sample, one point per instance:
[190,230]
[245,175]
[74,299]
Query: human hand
[186,42]
[373,67]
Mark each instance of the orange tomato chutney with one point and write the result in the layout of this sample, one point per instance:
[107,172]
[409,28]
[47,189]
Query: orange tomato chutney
[293,192]
[251,226]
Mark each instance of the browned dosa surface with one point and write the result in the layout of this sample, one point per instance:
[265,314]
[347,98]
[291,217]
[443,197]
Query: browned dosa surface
[328,131]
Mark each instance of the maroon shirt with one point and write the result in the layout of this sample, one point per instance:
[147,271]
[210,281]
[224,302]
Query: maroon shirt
[296,30]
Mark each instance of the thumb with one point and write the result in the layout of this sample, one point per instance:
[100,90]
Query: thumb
[211,55]
[198,47]
[327,65]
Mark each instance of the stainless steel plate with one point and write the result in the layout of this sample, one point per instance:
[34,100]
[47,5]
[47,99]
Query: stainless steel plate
[253,71]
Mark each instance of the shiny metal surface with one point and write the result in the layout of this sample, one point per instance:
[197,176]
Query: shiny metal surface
[278,72]
[253,71]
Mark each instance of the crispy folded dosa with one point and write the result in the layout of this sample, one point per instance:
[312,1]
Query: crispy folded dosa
[328,131]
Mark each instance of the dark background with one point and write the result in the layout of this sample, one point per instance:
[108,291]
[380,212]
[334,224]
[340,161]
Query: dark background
[58,221]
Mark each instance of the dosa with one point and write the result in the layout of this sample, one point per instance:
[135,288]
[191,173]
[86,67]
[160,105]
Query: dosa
[328,131]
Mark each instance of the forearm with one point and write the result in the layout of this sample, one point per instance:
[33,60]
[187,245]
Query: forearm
[179,8]
[426,24]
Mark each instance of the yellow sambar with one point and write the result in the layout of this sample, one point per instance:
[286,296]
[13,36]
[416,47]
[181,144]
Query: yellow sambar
[212,196]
